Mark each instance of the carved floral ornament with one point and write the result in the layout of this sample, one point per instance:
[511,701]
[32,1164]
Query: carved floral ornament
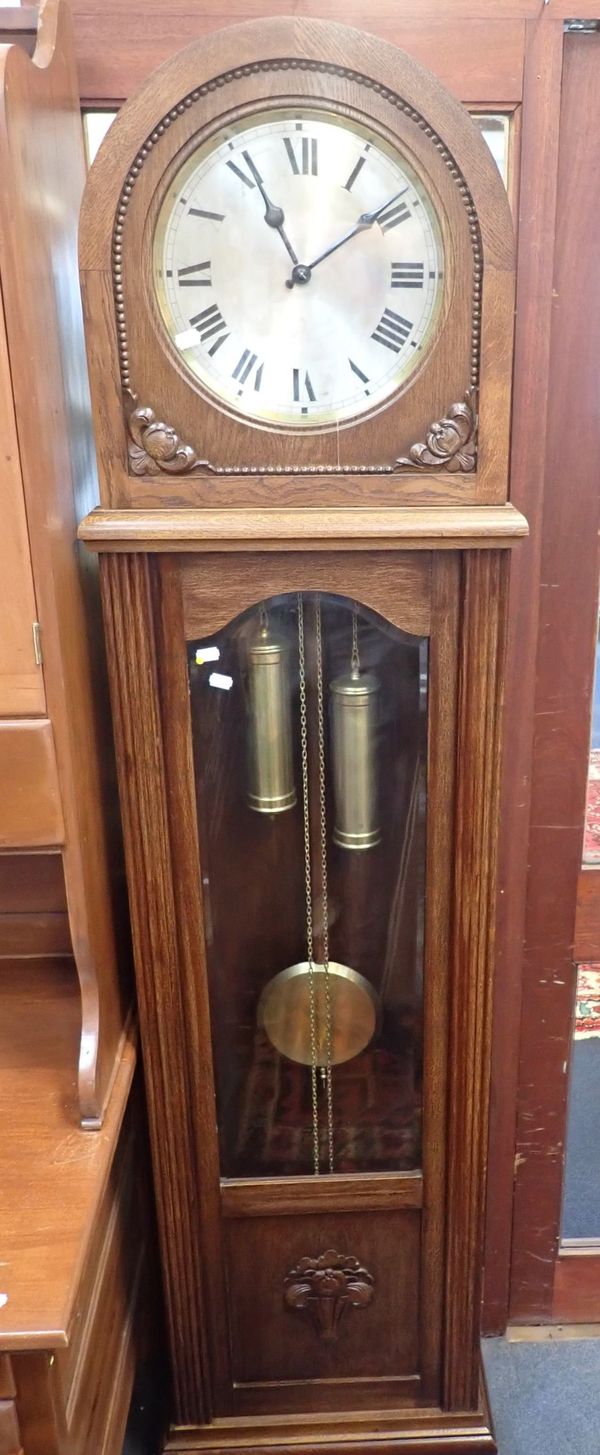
[323,1288]
[154,446]
[450,444]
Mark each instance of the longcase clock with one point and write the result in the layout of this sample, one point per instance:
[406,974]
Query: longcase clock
[297,269]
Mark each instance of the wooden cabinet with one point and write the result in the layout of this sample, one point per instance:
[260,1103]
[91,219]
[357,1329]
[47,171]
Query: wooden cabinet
[75,1241]
[21,677]
[56,790]
[316,1020]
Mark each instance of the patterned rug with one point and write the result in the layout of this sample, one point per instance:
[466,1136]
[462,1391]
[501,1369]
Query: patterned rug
[591,841]
[587,1006]
[376,1103]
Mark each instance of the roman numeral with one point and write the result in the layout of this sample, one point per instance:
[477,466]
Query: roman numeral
[186,279]
[244,367]
[211,324]
[395,214]
[359,373]
[392,330]
[298,385]
[211,216]
[354,174]
[248,182]
[408,275]
[307,164]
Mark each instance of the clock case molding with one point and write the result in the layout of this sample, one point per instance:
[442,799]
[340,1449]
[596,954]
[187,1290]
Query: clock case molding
[183,551]
[442,439]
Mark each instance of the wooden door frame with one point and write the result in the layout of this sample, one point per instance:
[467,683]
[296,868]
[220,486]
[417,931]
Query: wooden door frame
[547,1283]
[535,222]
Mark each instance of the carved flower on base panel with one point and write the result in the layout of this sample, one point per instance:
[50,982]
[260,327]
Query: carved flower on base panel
[324,1288]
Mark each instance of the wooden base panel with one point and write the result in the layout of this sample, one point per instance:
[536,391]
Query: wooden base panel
[410,1432]
[442,1435]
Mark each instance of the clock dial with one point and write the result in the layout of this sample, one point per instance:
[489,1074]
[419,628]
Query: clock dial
[298,268]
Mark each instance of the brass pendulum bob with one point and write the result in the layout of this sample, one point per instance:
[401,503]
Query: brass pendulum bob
[354,711]
[270,762]
[293,1011]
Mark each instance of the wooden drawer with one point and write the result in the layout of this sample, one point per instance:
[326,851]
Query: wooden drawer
[10,1440]
[94,1374]
[29,791]
[33,905]
[74,1400]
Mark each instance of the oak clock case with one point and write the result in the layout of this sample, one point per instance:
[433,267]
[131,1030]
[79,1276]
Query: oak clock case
[217,363]
[297,280]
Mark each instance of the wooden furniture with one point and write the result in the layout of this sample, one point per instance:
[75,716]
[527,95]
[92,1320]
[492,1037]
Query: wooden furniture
[507,56]
[72,1228]
[60,880]
[345,1305]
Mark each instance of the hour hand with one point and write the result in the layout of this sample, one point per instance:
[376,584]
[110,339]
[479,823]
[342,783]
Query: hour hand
[274,216]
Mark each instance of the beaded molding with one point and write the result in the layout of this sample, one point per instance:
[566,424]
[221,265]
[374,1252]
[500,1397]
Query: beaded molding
[322,68]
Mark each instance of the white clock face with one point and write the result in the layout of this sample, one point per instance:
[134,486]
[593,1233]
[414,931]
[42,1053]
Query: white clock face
[298,268]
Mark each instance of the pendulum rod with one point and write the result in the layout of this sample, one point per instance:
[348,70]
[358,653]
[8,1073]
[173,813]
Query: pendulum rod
[308,885]
[324,888]
[314,797]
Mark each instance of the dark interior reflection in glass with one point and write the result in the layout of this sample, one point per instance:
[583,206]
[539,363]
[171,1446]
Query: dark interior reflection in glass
[249,685]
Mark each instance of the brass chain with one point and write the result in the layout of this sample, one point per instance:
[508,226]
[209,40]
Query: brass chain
[308,886]
[355,659]
[324,890]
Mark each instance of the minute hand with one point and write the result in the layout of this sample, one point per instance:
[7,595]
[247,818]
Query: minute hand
[302,272]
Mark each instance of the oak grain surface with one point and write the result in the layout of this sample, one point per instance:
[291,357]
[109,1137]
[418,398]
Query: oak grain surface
[400,529]
[32,812]
[231,463]
[21,681]
[49,1164]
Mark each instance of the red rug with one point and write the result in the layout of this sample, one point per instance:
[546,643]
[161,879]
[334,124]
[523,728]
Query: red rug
[591,840]
[587,1005]
[376,1103]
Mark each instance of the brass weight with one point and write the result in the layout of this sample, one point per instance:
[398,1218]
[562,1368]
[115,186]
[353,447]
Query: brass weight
[354,707]
[271,786]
